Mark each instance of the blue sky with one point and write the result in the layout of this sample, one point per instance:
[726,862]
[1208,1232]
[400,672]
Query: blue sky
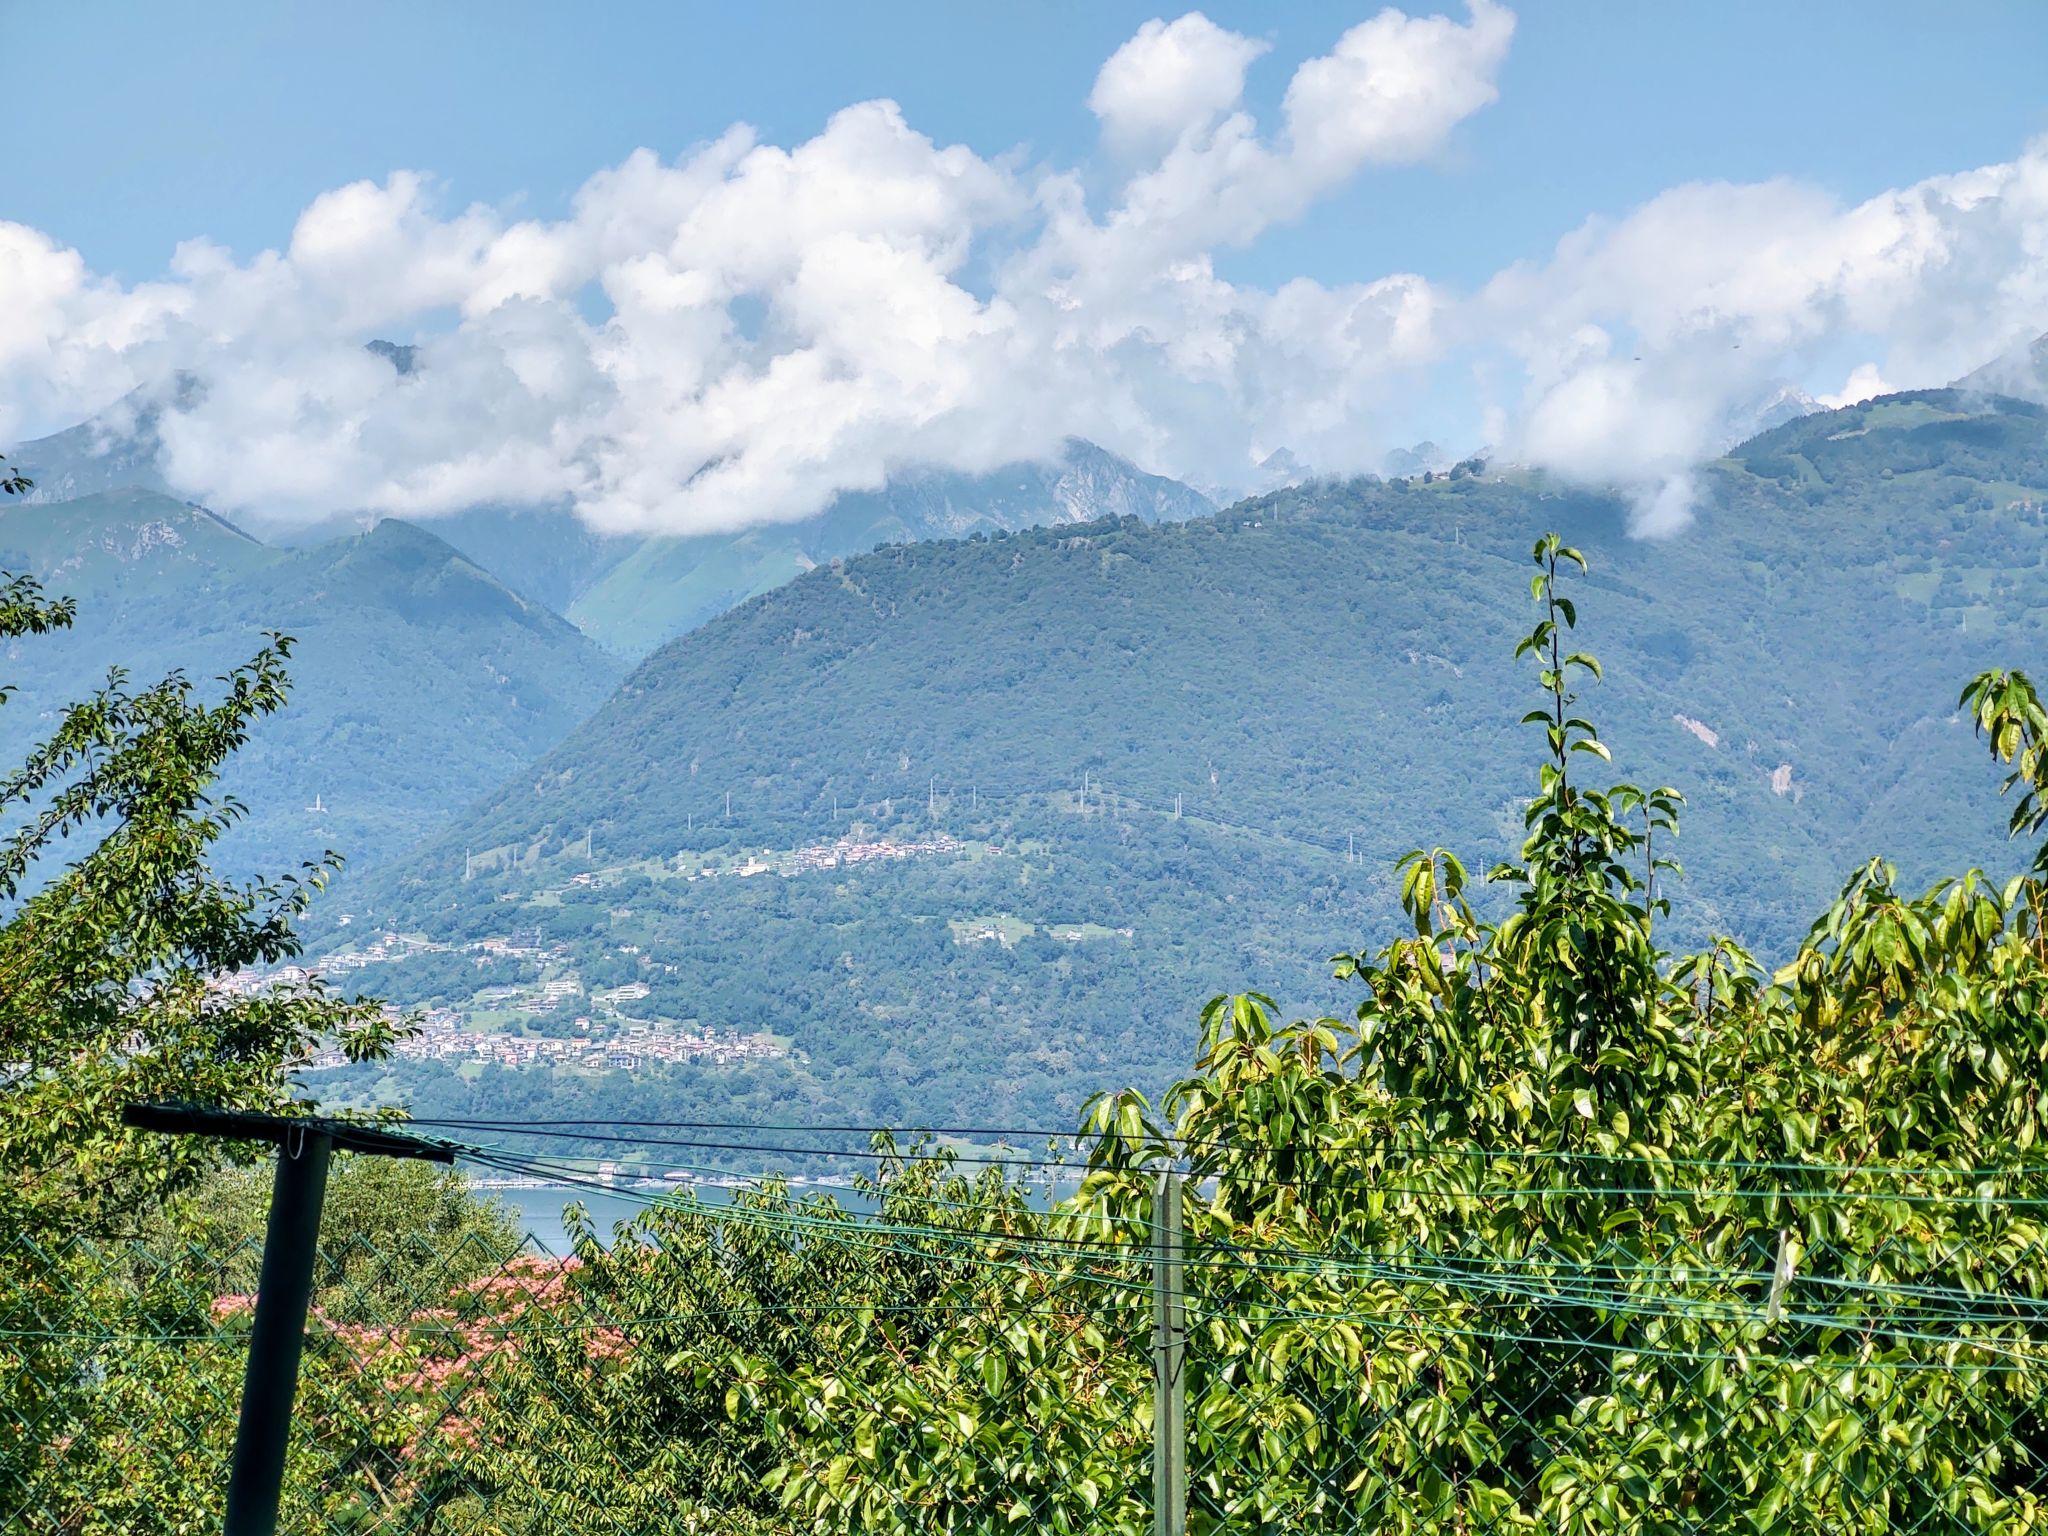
[1595,237]
[149,124]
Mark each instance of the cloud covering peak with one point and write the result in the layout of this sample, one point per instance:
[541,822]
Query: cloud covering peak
[735,335]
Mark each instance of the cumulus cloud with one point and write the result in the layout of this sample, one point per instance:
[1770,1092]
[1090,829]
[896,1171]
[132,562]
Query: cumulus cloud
[737,334]
[1394,86]
[1172,78]
[1864,383]
[1639,338]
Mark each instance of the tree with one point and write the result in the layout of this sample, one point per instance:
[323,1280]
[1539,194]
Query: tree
[117,937]
[1560,1232]
[115,944]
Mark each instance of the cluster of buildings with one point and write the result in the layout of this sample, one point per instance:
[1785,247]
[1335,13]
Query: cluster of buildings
[836,855]
[625,1045]
[603,1038]
[386,947]
[992,931]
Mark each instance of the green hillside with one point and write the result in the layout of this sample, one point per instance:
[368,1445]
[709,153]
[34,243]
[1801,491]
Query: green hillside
[127,543]
[1324,669]
[116,451]
[417,676]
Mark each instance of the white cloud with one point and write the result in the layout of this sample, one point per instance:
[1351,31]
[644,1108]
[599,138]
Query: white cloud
[778,324]
[1394,86]
[1171,78]
[1864,383]
[734,335]
[1707,296]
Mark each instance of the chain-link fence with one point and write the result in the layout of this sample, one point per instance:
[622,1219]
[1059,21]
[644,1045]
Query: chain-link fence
[779,1365]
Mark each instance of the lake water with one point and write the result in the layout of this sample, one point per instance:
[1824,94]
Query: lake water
[538,1212]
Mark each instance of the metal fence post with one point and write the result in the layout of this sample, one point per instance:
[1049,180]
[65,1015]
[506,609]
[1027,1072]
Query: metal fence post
[1169,1357]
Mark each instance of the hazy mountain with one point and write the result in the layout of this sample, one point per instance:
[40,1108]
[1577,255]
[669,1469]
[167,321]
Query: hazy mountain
[126,543]
[1425,456]
[547,553]
[632,593]
[417,676]
[2022,373]
[1320,670]
[117,450]
[1778,405]
[667,586]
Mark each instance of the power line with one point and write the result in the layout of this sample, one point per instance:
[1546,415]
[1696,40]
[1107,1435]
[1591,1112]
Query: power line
[1432,1151]
[1550,1280]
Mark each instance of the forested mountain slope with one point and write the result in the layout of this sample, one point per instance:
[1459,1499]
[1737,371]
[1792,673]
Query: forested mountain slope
[416,676]
[1322,669]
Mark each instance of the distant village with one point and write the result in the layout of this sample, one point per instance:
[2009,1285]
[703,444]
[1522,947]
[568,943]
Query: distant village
[605,1037]
[834,855]
[618,1044]
[601,1034]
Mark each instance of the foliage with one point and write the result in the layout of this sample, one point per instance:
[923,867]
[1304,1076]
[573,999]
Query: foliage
[114,935]
[1518,1192]
[381,1218]
[107,962]
[109,958]
[2008,712]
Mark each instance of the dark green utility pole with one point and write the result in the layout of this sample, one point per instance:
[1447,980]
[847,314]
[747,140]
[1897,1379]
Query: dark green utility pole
[285,1290]
[1169,1359]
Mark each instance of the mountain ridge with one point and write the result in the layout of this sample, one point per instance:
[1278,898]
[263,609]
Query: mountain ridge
[2021,373]
[669,585]
[416,674]
[631,593]
[1157,761]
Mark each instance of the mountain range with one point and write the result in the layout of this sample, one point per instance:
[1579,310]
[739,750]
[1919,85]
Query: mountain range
[631,593]
[416,676]
[965,796]
[433,659]
[978,825]
[662,587]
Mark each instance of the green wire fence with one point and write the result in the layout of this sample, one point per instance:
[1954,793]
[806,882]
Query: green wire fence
[1733,1352]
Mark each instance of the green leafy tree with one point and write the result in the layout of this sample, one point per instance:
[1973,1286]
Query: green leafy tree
[1502,1252]
[114,937]
[116,934]
[394,1233]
